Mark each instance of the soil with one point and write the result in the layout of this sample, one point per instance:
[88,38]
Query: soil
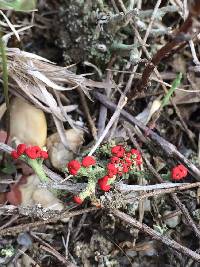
[93,37]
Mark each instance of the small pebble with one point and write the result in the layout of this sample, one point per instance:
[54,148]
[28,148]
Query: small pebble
[24,239]
[173,221]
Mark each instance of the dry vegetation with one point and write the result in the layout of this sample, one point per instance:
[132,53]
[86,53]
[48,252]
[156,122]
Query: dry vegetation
[85,75]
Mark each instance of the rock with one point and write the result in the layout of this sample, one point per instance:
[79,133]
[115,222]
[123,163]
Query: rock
[47,199]
[27,123]
[131,253]
[28,188]
[173,221]
[27,261]
[21,192]
[24,239]
[147,249]
[58,154]
[27,193]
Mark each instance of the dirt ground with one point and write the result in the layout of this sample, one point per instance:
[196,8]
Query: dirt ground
[99,74]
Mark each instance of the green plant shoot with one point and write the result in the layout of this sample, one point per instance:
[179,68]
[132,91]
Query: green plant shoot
[175,84]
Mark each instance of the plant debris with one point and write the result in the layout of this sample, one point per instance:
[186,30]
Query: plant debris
[99,133]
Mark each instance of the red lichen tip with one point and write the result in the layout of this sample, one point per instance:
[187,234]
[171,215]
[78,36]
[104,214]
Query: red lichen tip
[118,151]
[14,154]
[44,154]
[37,150]
[114,160]
[179,172]
[88,161]
[139,162]
[125,168]
[112,170]
[21,149]
[77,200]
[103,184]
[74,166]
[136,154]
[33,152]
[128,155]
[111,167]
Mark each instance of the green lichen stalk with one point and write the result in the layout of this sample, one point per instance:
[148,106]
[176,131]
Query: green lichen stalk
[38,169]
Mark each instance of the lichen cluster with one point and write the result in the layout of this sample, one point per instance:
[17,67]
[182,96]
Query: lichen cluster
[88,31]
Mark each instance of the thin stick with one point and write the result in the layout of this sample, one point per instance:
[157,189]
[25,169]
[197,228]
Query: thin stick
[5,70]
[47,247]
[115,115]
[152,20]
[103,110]
[87,114]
